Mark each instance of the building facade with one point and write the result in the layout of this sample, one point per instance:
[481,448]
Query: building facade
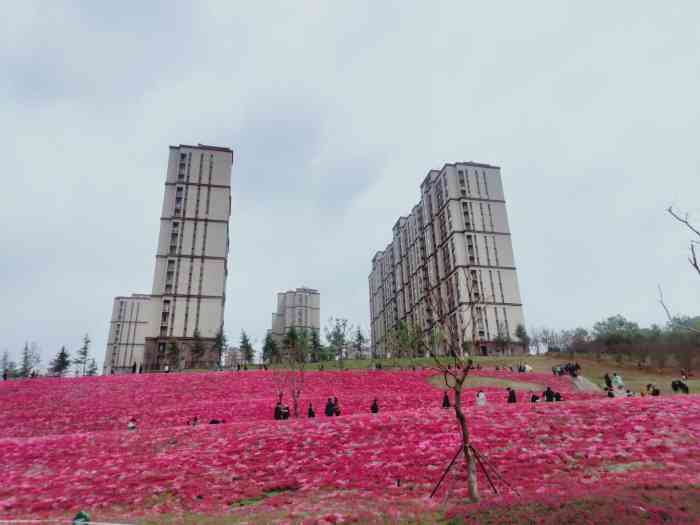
[455,246]
[191,263]
[128,328]
[299,309]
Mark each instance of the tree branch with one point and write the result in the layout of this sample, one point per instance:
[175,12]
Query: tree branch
[683,220]
[674,321]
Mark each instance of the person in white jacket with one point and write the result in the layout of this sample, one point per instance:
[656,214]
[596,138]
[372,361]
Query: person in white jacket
[480,398]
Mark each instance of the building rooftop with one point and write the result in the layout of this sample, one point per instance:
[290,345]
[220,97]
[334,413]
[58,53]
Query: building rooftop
[204,146]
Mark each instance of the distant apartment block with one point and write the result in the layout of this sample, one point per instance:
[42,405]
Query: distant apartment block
[456,245]
[299,309]
[189,282]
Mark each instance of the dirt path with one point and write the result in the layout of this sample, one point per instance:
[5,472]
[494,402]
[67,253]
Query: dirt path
[585,385]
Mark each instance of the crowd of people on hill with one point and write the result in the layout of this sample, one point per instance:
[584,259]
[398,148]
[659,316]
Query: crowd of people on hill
[548,395]
[572,369]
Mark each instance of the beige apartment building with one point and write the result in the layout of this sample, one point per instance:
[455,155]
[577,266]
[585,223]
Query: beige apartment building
[189,281]
[456,246]
[299,309]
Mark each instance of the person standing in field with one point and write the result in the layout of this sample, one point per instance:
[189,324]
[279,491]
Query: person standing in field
[445,401]
[480,399]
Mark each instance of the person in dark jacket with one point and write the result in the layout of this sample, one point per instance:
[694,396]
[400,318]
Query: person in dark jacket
[445,401]
[285,412]
[534,398]
[375,406]
[511,396]
[548,395]
[278,410]
[608,381]
[329,407]
[336,407]
[310,412]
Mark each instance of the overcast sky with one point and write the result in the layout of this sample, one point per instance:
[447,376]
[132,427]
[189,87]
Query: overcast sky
[336,112]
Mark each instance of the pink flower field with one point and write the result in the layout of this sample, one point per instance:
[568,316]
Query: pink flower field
[64,445]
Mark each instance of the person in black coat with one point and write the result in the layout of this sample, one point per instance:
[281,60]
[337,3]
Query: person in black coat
[329,407]
[375,406]
[278,410]
[445,401]
[608,381]
[548,395]
[511,396]
[285,412]
[310,412]
[336,407]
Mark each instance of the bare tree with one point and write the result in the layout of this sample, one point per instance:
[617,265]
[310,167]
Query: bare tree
[293,357]
[692,259]
[450,347]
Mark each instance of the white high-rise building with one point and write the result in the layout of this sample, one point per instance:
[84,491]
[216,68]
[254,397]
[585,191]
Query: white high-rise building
[299,309]
[454,245]
[189,281]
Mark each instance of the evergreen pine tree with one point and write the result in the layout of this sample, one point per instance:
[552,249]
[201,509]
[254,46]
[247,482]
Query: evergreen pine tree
[219,345]
[173,354]
[358,342]
[92,367]
[61,362]
[198,348]
[247,350]
[25,368]
[270,352]
[8,365]
[81,361]
[316,348]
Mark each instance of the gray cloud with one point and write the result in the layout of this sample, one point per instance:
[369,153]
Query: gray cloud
[337,112]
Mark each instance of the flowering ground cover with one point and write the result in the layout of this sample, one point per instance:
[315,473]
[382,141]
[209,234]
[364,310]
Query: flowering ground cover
[64,447]
[57,406]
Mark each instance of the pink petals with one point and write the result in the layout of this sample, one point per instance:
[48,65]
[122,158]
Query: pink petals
[64,444]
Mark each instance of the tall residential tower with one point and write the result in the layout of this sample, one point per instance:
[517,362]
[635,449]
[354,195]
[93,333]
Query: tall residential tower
[299,309]
[454,245]
[189,281]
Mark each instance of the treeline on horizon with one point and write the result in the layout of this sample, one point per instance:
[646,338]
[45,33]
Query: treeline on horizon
[677,341]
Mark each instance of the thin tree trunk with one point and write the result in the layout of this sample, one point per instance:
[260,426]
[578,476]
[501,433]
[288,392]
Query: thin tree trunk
[295,402]
[469,459]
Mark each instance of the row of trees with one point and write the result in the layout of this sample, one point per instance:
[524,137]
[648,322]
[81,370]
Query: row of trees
[29,364]
[623,339]
[342,339]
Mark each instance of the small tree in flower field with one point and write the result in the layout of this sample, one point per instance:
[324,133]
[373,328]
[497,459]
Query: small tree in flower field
[293,355]
[450,348]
